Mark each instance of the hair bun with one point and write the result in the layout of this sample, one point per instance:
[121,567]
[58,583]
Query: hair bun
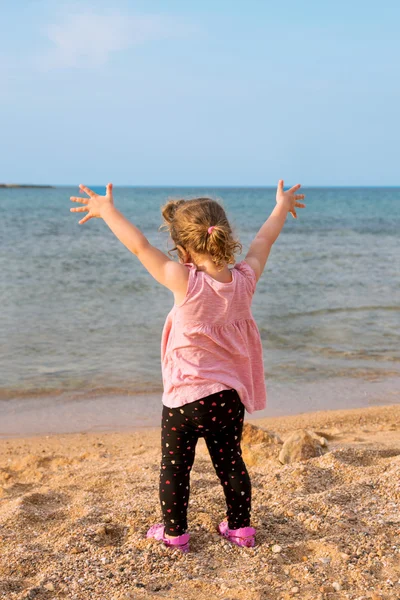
[169,210]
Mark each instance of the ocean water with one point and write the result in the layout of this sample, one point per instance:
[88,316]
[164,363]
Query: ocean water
[80,315]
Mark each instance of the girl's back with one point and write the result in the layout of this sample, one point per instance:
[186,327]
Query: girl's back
[210,341]
[211,350]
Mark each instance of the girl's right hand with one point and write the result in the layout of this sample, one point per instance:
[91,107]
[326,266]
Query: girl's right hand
[95,204]
[290,198]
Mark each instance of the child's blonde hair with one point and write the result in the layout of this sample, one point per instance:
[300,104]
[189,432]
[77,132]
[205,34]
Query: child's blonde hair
[188,222]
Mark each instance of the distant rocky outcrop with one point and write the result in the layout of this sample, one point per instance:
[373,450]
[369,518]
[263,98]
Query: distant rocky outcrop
[24,185]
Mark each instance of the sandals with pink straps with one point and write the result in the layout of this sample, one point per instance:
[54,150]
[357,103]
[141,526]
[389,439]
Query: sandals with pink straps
[244,536]
[181,542]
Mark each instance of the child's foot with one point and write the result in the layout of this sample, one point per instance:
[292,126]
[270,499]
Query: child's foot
[244,536]
[179,541]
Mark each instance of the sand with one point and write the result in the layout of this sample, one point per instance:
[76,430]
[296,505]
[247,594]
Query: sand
[75,509]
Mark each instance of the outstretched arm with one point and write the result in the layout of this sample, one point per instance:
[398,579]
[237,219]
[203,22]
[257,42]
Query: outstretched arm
[261,245]
[166,271]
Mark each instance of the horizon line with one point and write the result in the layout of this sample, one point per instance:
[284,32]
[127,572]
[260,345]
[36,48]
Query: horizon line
[222,186]
[226,186]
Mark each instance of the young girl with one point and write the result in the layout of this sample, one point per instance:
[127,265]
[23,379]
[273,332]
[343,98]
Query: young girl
[211,352]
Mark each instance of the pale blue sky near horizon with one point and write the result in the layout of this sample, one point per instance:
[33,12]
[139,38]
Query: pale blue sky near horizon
[201,93]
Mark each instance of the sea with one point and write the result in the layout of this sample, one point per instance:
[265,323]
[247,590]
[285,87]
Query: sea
[81,318]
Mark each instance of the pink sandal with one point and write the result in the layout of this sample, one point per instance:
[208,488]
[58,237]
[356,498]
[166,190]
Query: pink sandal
[180,541]
[244,536]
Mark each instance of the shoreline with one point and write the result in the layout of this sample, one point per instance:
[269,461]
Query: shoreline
[280,423]
[100,411]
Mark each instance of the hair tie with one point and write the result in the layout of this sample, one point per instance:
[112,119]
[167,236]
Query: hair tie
[211,228]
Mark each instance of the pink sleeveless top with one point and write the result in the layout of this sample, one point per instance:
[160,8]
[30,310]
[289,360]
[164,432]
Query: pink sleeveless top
[210,342]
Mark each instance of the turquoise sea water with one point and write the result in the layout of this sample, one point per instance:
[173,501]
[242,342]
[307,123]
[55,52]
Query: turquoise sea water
[79,313]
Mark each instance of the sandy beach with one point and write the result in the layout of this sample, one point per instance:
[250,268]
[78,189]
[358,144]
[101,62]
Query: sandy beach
[75,509]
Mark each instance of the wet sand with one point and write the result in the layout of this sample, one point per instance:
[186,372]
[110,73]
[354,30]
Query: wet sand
[75,509]
[116,410]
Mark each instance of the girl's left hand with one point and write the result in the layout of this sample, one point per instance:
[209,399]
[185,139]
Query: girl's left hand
[95,204]
[290,198]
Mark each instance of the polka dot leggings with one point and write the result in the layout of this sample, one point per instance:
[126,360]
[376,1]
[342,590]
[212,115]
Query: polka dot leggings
[219,419]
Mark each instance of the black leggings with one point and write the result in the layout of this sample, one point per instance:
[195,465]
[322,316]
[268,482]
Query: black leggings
[219,419]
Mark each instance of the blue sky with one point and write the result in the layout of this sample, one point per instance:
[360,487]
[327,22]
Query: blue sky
[200,93]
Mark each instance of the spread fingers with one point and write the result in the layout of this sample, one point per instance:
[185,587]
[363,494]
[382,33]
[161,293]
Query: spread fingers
[82,200]
[87,191]
[294,188]
[89,216]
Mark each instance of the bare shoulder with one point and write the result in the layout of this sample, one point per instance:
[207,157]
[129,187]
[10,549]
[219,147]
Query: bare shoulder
[254,264]
[176,279]
[169,273]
